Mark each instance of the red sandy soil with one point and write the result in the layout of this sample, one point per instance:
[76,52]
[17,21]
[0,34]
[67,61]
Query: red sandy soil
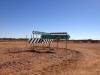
[16,58]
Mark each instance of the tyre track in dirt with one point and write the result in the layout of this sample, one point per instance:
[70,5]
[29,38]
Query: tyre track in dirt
[88,65]
[79,61]
[63,66]
[50,64]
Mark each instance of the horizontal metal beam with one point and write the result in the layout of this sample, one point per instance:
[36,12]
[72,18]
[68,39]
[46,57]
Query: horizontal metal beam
[52,33]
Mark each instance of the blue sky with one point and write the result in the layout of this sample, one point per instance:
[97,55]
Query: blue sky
[80,18]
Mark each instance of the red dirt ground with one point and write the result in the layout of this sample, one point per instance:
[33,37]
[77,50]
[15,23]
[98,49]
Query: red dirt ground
[16,58]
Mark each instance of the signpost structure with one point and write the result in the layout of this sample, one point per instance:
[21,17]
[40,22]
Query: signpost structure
[56,36]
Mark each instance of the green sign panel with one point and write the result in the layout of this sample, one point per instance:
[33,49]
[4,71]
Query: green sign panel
[55,36]
[38,32]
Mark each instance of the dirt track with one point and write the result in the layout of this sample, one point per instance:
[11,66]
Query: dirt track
[81,59]
[90,62]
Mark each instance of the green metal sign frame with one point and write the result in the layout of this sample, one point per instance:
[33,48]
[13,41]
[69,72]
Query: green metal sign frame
[38,32]
[45,35]
[55,36]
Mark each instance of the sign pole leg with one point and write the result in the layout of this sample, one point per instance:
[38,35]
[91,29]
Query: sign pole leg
[49,45]
[66,43]
[33,42]
[26,40]
[57,44]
